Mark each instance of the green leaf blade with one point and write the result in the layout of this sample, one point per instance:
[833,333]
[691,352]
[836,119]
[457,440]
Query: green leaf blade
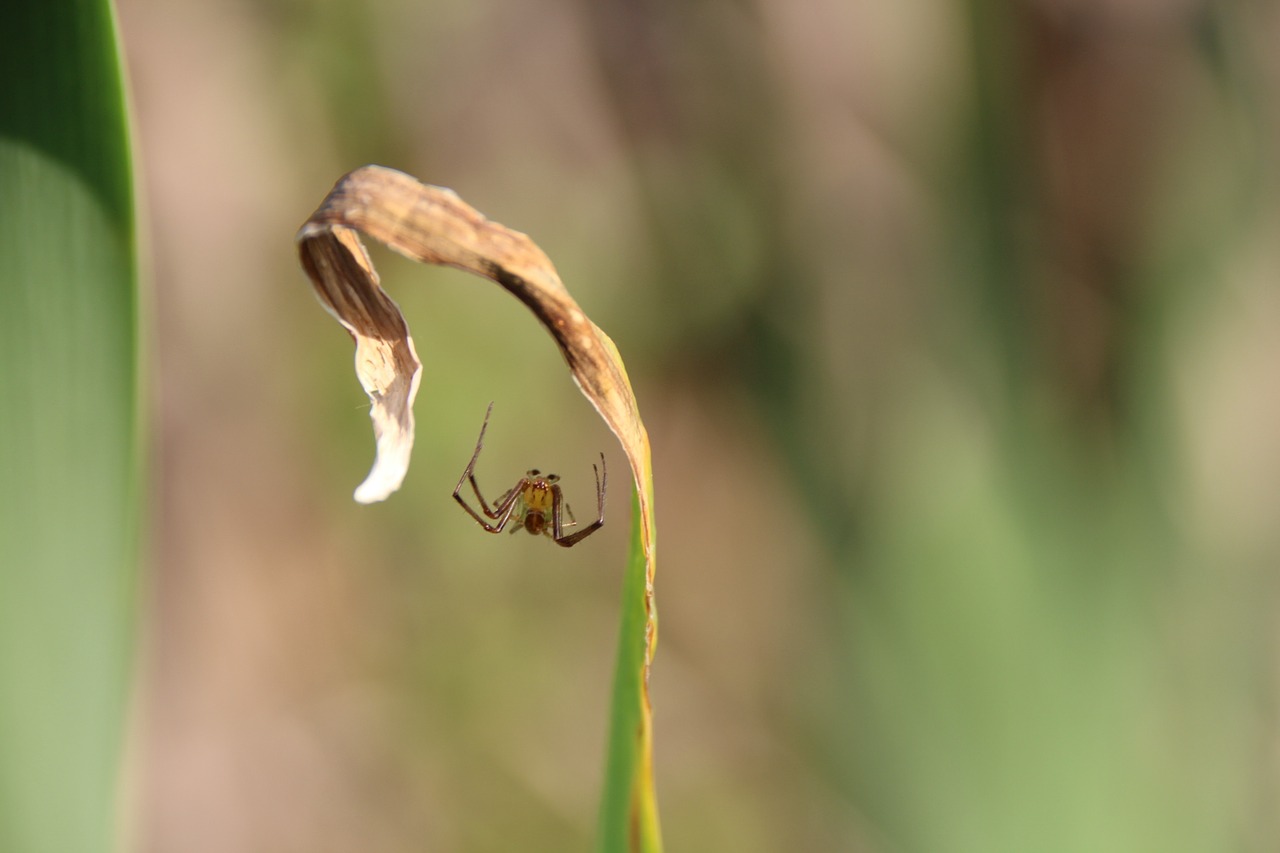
[628,808]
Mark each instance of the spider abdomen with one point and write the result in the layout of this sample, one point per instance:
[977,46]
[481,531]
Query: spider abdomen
[535,522]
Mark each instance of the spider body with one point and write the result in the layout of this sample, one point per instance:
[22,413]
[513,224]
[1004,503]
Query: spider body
[535,503]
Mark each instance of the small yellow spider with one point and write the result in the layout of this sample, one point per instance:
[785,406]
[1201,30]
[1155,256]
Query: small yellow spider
[530,501]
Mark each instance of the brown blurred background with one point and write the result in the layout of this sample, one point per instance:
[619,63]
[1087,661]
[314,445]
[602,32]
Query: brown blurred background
[955,329]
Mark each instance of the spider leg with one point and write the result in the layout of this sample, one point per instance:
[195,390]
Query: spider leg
[501,512]
[469,471]
[484,506]
[503,497]
[557,503]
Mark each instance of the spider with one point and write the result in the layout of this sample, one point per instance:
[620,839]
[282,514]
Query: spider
[531,500]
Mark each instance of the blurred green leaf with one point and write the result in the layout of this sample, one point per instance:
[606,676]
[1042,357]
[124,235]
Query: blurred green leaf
[1015,660]
[68,426]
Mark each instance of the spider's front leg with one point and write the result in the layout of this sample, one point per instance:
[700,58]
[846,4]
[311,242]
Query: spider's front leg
[475,487]
[501,511]
[469,473]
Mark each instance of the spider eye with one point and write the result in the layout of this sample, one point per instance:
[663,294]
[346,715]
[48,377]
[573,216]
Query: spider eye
[534,472]
[553,478]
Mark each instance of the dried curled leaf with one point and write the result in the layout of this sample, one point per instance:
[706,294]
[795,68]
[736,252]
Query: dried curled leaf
[433,225]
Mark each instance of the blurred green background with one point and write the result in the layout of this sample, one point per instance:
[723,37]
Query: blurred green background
[954,325]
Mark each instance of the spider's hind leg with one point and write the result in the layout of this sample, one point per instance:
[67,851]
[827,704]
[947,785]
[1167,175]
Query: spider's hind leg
[568,541]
